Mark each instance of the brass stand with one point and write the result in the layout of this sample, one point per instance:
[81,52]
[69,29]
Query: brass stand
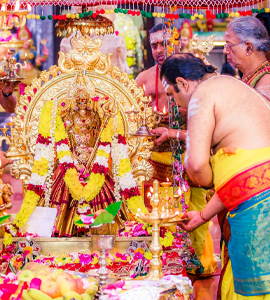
[143,130]
[102,243]
[156,218]
[15,141]
[166,186]
[11,68]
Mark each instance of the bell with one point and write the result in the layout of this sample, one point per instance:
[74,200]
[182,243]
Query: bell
[97,31]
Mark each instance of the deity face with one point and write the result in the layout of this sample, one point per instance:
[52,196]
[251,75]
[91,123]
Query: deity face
[157,46]
[82,103]
[235,50]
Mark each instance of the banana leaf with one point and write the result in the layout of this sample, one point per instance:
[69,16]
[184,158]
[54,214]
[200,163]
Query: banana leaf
[4,218]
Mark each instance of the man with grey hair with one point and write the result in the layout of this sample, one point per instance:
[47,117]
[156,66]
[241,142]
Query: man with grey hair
[246,44]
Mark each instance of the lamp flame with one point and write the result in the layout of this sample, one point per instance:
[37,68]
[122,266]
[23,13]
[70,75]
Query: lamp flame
[151,189]
[149,195]
[164,110]
[179,192]
[168,179]
[155,108]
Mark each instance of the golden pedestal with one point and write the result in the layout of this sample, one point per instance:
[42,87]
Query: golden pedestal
[77,244]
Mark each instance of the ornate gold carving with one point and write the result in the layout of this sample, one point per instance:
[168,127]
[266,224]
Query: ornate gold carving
[99,25]
[108,82]
[85,55]
[142,170]
[22,169]
[202,48]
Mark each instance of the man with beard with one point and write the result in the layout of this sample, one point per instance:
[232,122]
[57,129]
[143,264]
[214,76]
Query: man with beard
[150,78]
[234,126]
[161,153]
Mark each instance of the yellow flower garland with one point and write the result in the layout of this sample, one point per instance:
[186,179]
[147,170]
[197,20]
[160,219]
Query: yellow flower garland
[45,119]
[96,181]
[135,202]
[30,201]
[40,167]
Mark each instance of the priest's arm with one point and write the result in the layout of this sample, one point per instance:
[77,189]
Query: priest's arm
[201,124]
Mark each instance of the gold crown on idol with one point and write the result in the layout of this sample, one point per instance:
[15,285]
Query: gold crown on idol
[82,93]
[81,88]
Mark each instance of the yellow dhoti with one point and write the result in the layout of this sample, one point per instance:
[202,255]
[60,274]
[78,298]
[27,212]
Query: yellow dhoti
[227,164]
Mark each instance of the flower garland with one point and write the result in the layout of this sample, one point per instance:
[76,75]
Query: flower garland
[80,192]
[126,181]
[55,135]
[186,14]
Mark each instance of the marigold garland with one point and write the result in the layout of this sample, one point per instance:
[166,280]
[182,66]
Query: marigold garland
[82,193]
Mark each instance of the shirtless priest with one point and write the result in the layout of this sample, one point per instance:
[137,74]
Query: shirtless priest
[150,78]
[161,154]
[235,126]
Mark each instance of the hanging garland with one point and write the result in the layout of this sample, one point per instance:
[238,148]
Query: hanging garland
[48,139]
[172,16]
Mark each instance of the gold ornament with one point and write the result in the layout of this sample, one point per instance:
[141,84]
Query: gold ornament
[100,25]
[107,81]
[202,48]
[8,20]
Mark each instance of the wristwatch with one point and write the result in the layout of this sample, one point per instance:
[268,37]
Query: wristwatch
[6,95]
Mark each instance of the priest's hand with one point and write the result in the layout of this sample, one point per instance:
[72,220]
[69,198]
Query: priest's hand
[7,87]
[194,221]
[4,161]
[163,134]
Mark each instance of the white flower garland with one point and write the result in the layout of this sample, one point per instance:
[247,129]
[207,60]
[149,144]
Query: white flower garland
[115,160]
[49,181]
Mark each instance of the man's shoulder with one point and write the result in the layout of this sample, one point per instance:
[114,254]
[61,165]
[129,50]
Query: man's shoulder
[146,73]
[220,81]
